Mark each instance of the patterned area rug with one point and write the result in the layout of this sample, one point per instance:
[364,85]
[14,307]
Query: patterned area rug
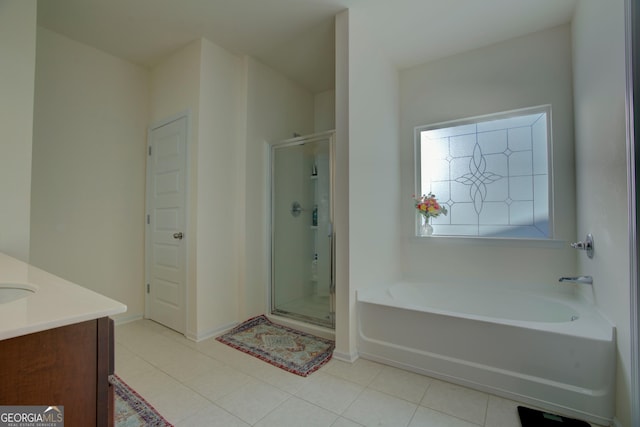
[132,410]
[286,348]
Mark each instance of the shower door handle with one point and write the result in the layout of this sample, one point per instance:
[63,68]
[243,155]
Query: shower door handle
[332,275]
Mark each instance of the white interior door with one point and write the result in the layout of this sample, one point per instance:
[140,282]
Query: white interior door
[166,225]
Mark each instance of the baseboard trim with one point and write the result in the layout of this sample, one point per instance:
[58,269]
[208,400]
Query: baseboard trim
[345,357]
[211,333]
[127,319]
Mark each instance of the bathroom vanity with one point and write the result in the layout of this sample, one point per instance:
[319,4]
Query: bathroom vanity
[56,344]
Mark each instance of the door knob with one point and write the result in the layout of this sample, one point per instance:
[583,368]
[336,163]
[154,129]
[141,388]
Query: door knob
[178,235]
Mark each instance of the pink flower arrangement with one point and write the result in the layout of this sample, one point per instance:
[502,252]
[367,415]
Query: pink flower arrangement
[428,206]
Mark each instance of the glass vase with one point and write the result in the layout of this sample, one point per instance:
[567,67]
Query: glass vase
[425,227]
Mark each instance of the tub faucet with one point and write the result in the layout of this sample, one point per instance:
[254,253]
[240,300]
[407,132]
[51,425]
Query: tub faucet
[587,280]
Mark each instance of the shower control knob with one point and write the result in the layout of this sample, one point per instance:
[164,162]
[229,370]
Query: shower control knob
[586,245]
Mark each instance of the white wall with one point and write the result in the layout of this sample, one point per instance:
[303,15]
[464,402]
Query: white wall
[345,348]
[208,82]
[89,170]
[221,114]
[522,72]
[175,89]
[374,169]
[599,88]
[18,53]
[276,108]
[324,110]
[87,218]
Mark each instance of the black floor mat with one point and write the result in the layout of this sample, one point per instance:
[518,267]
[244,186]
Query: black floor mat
[533,418]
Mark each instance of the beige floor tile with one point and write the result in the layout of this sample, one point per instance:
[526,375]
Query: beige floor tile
[253,401]
[343,422]
[129,330]
[502,413]
[151,346]
[285,381]
[228,355]
[150,382]
[177,402]
[403,384]
[163,351]
[122,353]
[218,382]
[329,392]
[470,405]
[212,416]
[361,371]
[179,338]
[127,363]
[153,326]
[426,417]
[373,408]
[295,413]
[192,366]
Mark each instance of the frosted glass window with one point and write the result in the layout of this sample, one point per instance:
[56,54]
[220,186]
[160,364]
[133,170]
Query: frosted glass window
[492,173]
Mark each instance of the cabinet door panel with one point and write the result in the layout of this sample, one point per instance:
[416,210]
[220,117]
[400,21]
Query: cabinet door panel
[53,367]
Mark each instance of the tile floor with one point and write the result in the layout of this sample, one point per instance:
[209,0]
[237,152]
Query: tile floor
[211,384]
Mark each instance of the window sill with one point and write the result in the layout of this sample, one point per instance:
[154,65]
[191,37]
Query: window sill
[491,241]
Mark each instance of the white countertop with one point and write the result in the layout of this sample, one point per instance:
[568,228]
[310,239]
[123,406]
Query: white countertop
[56,302]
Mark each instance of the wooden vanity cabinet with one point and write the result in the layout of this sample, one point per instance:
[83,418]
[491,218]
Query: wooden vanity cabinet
[67,366]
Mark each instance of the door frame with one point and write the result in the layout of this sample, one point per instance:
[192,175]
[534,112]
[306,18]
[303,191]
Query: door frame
[632,53]
[186,114]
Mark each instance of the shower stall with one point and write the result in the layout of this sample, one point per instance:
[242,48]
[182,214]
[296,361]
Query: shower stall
[302,236]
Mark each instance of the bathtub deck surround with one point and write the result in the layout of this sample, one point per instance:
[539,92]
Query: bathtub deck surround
[549,349]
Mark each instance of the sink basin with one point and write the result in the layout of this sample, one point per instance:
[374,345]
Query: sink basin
[14,291]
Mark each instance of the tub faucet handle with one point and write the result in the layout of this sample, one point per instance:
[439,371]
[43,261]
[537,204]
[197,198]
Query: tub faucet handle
[586,245]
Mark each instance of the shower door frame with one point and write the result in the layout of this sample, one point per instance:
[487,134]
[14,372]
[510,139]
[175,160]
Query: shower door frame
[301,140]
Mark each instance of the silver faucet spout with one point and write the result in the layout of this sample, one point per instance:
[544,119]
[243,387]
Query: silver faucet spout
[587,280]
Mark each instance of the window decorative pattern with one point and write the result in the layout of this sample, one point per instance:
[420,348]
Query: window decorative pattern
[491,173]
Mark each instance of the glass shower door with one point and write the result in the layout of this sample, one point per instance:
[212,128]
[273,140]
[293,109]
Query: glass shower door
[301,229]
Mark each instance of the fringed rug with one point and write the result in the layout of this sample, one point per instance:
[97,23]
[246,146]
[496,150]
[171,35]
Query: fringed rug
[286,348]
[131,410]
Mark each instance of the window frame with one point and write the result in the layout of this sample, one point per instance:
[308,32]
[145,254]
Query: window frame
[545,108]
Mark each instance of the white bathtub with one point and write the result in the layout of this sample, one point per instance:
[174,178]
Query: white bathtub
[550,350]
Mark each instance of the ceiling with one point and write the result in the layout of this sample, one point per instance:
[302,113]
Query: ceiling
[296,36]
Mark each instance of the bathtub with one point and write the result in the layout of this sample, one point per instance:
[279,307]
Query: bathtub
[547,349]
